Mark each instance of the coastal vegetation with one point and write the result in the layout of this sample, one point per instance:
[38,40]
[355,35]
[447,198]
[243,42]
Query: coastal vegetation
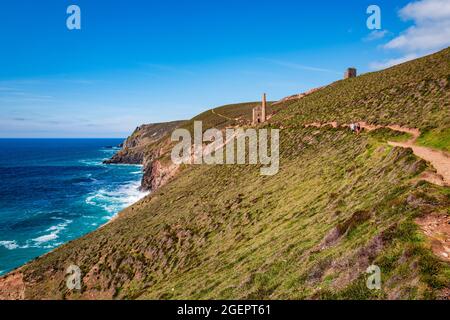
[339,203]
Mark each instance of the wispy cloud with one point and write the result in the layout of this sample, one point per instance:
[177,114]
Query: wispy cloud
[167,68]
[293,65]
[378,65]
[14,84]
[376,35]
[430,32]
[16,96]
[42,119]
[81,81]
[8,89]
[22,91]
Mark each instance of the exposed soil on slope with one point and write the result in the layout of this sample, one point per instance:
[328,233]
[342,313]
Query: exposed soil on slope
[437,229]
[440,160]
[12,287]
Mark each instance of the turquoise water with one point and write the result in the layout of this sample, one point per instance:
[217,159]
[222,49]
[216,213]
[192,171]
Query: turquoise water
[55,190]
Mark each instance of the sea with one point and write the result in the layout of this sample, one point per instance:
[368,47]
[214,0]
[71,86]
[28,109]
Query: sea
[56,190]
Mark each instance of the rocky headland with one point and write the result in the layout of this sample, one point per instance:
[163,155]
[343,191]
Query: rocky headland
[144,146]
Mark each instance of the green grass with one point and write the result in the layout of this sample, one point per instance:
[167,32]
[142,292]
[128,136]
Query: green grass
[338,204]
[414,94]
[223,116]
[227,232]
[436,138]
[384,135]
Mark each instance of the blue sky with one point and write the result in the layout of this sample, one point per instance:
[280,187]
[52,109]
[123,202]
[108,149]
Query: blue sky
[139,61]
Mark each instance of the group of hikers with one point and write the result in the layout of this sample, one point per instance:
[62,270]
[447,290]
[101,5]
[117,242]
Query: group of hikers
[355,127]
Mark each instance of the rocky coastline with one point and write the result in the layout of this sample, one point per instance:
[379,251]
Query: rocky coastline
[145,146]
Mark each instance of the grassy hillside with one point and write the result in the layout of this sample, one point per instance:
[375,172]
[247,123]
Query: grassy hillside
[144,139]
[231,115]
[339,203]
[226,116]
[414,94]
[438,138]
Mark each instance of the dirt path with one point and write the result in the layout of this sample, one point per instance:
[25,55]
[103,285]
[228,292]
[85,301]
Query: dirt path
[221,115]
[437,228]
[438,159]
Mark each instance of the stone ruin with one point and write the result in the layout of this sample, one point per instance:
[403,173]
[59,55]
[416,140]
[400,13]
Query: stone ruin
[350,73]
[259,112]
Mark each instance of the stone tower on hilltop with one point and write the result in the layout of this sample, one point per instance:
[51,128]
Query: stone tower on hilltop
[350,73]
[259,112]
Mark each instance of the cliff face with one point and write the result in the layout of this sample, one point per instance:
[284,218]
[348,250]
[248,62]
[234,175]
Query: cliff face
[340,203]
[156,174]
[127,156]
[141,140]
[144,146]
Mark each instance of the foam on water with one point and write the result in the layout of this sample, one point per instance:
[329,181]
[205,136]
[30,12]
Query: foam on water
[115,200]
[93,162]
[62,191]
[8,244]
[54,232]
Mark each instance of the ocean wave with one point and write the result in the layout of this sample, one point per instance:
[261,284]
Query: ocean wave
[113,201]
[41,241]
[125,165]
[54,231]
[98,162]
[12,245]
[83,180]
[58,183]
[110,151]
[46,238]
[93,162]
[9,244]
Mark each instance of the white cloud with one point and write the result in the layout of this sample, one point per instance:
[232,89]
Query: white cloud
[425,10]
[376,35]
[378,65]
[431,30]
[292,65]
[425,38]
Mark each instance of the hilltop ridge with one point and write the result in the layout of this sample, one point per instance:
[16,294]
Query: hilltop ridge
[135,146]
[340,203]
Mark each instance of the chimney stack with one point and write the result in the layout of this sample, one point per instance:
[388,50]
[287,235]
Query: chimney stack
[263,109]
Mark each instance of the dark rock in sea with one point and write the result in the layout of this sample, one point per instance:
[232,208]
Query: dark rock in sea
[144,146]
[126,156]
